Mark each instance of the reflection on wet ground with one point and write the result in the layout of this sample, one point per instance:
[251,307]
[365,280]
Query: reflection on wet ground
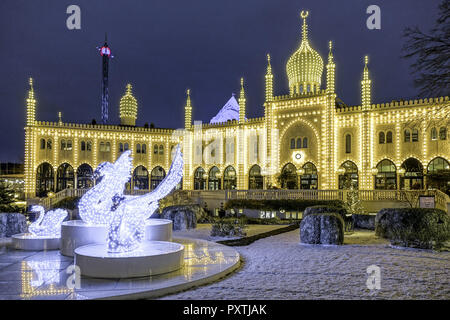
[50,275]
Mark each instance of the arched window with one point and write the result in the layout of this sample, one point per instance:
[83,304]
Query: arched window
[63,144]
[415,135]
[350,176]
[138,148]
[438,164]
[125,147]
[108,147]
[288,178]
[157,176]
[386,178]
[49,144]
[381,137]
[65,177]
[44,179]
[229,178]
[348,143]
[161,150]
[214,179]
[433,133]
[199,179]
[305,142]
[102,147]
[309,179]
[144,148]
[413,177]
[389,137]
[407,135]
[89,146]
[140,178]
[255,179]
[42,143]
[435,171]
[155,149]
[84,176]
[443,133]
[299,143]
[121,147]
[292,143]
[83,146]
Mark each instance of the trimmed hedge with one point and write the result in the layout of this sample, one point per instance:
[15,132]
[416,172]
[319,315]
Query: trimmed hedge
[414,227]
[288,205]
[325,209]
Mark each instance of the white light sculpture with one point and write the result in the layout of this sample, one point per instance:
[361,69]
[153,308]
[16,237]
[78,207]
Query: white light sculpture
[47,272]
[48,224]
[95,207]
[127,226]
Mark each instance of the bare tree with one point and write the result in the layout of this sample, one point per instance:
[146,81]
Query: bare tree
[432,54]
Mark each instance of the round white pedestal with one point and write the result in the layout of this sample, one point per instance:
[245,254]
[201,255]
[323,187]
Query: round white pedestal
[152,258]
[77,233]
[27,241]
[158,230]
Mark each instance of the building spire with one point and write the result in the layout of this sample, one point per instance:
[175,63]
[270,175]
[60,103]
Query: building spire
[366,86]
[188,111]
[242,103]
[330,70]
[128,107]
[269,80]
[304,15]
[31,104]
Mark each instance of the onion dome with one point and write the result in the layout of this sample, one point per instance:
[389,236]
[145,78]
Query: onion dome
[304,68]
[128,108]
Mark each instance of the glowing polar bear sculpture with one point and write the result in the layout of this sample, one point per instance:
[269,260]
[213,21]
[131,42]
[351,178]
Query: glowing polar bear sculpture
[127,226]
[47,224]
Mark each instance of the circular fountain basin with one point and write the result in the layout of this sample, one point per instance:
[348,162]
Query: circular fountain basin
[152,258]
[77,233]
[158,230]
[28,241]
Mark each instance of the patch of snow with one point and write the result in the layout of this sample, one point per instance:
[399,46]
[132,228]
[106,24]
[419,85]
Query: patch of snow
[279,268]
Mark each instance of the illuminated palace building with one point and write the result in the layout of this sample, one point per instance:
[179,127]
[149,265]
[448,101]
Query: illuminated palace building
[307,139]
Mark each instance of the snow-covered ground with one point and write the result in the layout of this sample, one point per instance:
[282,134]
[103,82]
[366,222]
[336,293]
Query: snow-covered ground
[279,267]
[203,231]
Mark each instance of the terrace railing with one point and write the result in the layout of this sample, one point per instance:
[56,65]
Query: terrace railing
[410,196]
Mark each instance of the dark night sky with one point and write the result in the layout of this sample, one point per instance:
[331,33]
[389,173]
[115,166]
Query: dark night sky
[164,46]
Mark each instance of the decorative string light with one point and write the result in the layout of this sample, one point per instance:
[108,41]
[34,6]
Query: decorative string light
[48,224]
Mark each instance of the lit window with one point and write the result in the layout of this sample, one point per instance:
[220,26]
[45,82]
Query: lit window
[381,137]
[161,149]
[69,145]
[407,135]
[415,135]
[49,144]
[108,147]
[348,143]
[63,144]
[443,133]
[102,146]
[89,146]
[389,137]
[433,134]
[292,143]
[155,149]
[299,143]
[305,142]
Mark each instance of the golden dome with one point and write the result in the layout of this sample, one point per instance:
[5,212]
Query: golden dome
[128,108]
[304,68]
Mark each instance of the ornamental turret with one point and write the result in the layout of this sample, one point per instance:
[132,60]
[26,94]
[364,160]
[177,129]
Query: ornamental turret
[128,108]
[31,105]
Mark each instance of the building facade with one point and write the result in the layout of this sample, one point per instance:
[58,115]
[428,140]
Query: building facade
[305,140]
